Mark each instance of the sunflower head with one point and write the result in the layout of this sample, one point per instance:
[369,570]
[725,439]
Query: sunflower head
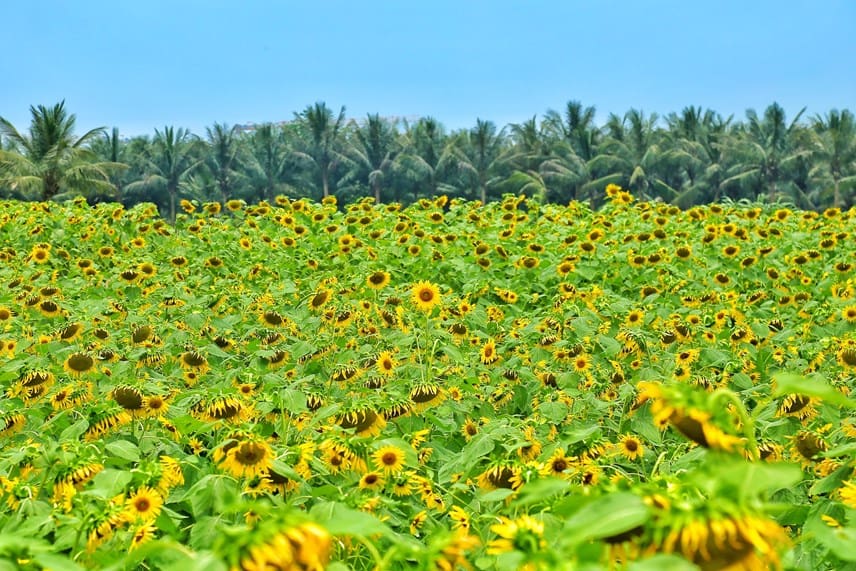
[425,295]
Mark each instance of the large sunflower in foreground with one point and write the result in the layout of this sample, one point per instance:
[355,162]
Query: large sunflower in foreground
[734,542]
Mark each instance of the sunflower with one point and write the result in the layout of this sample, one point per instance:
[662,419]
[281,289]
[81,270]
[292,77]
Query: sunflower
[734,542]
[245,457]
[319,299]
[849,314]
[78,364]
[378,280]
[500,476]
[386,363]
[40,253]
[389,459]
[425,296]
[847,493]
[193,361]
[426,395]
[635,318]
[524,534]
[371,481]
[488,354]
[557,465]
[469,429]
[846,356]
[49,308]
[631,447]
[142,534]
[365,421]
[70,332]
[129,398]
[143,505]
[800,406]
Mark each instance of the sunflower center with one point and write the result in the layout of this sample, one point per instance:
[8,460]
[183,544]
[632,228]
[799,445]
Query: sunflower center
[142,505]
[249,454]
[426,295]
[389,459]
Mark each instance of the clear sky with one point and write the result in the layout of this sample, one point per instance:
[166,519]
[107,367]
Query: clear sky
[142,64]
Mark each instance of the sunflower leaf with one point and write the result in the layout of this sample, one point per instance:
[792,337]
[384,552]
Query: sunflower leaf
[339,519]
[124,449]
[605,516]
[814,386]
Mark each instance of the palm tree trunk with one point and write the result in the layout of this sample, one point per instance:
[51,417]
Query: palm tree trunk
[172,193]
[376,186]
[325,184]
[836,196]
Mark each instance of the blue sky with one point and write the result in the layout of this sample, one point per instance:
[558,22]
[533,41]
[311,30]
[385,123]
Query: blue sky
[143,64]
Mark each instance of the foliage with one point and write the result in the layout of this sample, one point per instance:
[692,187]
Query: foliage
[445,385]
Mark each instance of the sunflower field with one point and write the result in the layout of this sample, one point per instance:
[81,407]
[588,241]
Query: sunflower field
[447,385]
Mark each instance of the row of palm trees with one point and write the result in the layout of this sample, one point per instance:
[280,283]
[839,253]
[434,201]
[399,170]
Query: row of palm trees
[695,156]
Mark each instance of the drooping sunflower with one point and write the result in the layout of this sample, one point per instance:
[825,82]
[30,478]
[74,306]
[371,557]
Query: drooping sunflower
[500,476]
[247,456]
[799,406]
[740,541]
[426,395]
[425,295]
[319,299]
[78,364]
[378,280]
[193,361]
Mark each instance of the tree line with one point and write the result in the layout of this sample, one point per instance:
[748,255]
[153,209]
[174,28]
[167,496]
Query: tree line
[692,157]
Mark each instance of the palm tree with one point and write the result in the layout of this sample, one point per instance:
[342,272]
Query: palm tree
[49,161]
[266,162]
[479,154]
[765,148]
[836,150]
[576,127]
[170,159]
[222,155]
[320,141]
[427,157]
[374,153]
[695,142]
[632,150]
[110,148]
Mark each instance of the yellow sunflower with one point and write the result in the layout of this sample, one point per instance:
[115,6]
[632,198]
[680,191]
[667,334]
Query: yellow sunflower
[389,459]
[143,505]
[425,295]
[378,280]
[246,457]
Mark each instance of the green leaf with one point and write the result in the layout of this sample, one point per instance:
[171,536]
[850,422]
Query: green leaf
[74,431]
[662,563]
[124,449]
[606,516]
[293,401]
[339,519]
[815,386]
[496,495]
[843,450]
[554,412]
[540,490]
[56,562]
[109,483]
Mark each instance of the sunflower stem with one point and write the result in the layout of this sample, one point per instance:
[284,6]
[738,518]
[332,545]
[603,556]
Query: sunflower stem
[746,420]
